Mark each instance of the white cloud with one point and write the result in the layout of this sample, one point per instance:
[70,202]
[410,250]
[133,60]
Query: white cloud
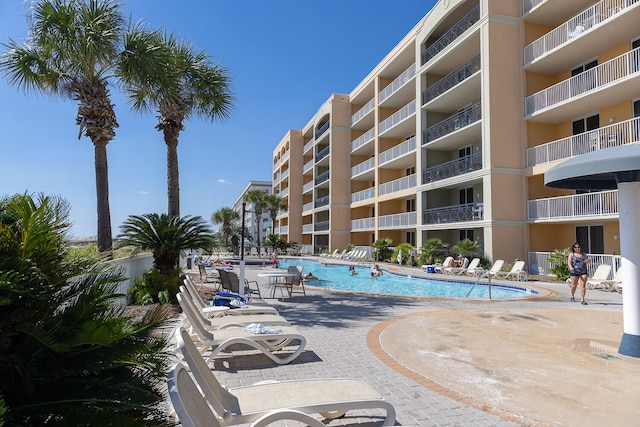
[143,192]
[223,181]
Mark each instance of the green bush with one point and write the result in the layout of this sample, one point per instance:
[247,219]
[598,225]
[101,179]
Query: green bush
[153,287]
[432,251]
[382,251]
[558,262]
[406,249]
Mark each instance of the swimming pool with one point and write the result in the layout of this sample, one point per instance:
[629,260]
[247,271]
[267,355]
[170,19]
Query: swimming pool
[336,277]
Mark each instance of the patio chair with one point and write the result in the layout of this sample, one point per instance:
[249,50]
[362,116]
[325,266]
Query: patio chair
[516,273]
[601,274]
[495,268]
[457,271]
[231,282]
[447,263]
[221,322]
[256,306]
[330,398]
[208,276]
[223,340]
[291,284]
[193,410]
[614,284]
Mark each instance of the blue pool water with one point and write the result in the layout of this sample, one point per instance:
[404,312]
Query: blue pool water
[336,277]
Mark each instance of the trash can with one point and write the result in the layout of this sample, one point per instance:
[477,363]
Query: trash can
[431,269]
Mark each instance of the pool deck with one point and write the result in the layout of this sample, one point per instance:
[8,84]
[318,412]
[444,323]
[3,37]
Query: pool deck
[534,362]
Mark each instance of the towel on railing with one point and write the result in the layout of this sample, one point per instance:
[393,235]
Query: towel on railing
[259,328]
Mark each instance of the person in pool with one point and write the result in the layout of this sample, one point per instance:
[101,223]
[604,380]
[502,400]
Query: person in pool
[352,270]
[375,271]
[309,276]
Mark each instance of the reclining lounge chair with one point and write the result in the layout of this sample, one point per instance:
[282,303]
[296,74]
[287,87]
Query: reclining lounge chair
[331,398]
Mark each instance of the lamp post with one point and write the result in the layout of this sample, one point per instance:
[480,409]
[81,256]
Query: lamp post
[244,206]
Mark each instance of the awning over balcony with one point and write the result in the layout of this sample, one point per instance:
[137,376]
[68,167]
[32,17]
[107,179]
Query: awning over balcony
[598,170]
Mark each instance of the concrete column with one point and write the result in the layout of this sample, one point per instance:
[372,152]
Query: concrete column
[629,208]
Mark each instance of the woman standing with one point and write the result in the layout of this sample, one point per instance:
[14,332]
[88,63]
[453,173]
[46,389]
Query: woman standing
[578,261]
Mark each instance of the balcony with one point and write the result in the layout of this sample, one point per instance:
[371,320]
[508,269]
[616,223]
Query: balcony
[324,176]
[308,166]
[284,193]
[284,229]
[451,80]
[307,207]
[455,213]
[614,75]
[397,185]
[366,109]
[307,228]
[308,146]
[323,153]
[322,129]
[528,5]
[321,201]
[613,135]
[321,226]
[452,168]
[366,194]
[400,150]
[576,37]
[402,220]
[363,139]
[397,118]
[366,166]
[308,186]
[461,119]
[363,224]
[578,206]
[285,174]
[406,76]
[451,35]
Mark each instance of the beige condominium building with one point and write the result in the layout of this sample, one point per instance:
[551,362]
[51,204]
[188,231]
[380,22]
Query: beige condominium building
[451,134]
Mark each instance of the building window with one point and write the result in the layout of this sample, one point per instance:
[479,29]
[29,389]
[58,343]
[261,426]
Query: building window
[411,170]
[466,234]
[411,205]
[411,237]
[466,195]
[585,124]
[591,238]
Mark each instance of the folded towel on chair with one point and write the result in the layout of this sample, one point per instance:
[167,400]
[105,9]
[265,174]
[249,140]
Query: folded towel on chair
[259,328]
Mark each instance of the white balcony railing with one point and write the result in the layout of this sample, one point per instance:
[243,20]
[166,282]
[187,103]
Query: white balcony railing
[285,174]
[307,166]
[451,35]
[308,186]
[363,111]
[399,150]
[588,81]
[358,196]
[284,193]
[397,185]
[528,5]
[399,116]
[406,76]
[365,166]
[308,145]
[613,135]
[307,228]
[401,220]
[597,204]
[363,224]
[363,139]
[307,207]
[587,19]
[284,229]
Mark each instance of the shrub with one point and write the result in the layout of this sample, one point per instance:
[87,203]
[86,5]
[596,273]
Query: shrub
[558,262]
[153,287]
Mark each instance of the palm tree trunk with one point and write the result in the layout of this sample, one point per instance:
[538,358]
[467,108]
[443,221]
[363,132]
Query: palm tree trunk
[105,241]
[173,175]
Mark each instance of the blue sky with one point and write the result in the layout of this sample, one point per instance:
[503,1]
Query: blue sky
[286,57]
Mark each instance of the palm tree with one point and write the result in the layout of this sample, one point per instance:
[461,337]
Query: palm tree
[227,217]
[165,237]
[191,86]
[62,331]
[257,198]
[274,205]
[73,51]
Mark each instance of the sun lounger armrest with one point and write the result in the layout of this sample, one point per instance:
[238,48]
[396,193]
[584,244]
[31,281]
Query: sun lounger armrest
[286,414]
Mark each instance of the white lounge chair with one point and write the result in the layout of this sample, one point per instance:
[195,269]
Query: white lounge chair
[457,271]
[267,344]
[331,398]
[601,274]
[257,306]
[474,269]
[614,284]
[447,263]
[222,322]
[517,272]
[193,410]
[495,268]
